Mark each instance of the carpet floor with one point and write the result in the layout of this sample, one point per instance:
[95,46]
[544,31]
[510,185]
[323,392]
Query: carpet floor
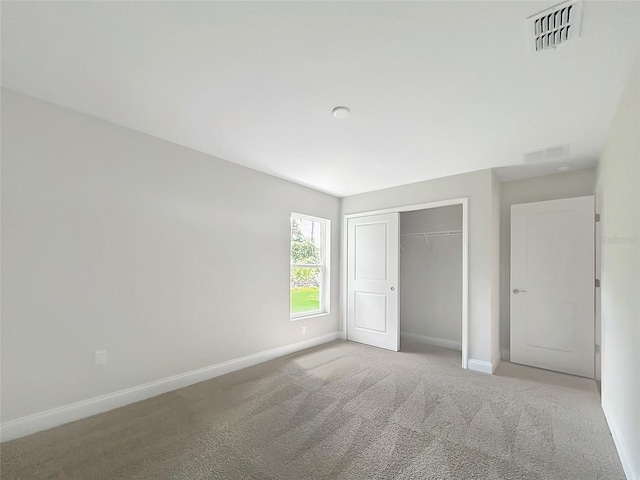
[340,411]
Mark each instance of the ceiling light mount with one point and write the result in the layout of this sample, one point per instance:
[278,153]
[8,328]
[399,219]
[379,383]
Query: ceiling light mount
[341,112]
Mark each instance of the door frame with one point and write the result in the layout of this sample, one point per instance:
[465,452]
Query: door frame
[464,201]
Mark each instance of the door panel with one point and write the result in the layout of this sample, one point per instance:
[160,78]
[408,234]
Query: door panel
[372,280]
[371,251]
[370,311]
[552,285]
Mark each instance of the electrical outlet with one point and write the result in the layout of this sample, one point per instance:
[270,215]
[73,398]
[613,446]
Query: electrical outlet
[304,330]
[101,357]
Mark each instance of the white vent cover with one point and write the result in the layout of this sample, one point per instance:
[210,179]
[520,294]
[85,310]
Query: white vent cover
[551,153]
[554,26]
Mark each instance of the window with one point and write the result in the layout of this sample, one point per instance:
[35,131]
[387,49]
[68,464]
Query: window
[309,272]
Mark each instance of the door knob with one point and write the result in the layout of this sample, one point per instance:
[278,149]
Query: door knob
[393,288]
[517,291]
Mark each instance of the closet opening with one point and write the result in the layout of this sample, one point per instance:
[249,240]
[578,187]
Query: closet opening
[406,275]
[431,278]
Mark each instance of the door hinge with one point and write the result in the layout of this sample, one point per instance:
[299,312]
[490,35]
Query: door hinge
[597,283]
[597,217]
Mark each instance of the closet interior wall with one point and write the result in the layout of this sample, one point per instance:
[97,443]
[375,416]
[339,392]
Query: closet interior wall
[431,276]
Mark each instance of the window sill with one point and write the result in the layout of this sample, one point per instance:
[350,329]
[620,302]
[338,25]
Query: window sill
[311,315]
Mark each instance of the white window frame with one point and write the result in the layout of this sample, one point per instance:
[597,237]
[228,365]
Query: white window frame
[325,274]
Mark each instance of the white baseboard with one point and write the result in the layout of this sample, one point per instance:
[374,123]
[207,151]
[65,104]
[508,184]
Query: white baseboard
[482,366]
[623,452]
[69,413]
[436,342]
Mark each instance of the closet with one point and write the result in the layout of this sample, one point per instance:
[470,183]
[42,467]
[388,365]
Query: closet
[431,276]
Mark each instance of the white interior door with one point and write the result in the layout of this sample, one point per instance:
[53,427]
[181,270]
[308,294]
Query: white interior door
[552,285]
[372,280]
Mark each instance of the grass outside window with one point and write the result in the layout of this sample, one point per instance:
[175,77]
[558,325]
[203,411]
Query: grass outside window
[304,299]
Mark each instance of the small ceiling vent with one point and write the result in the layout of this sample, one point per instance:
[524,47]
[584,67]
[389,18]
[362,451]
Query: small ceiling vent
[551,153]
[554,26]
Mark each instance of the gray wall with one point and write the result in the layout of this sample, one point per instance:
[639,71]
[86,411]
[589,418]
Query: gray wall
[551,187]
[618,201]
[431,275]
[477,187]
[169,259]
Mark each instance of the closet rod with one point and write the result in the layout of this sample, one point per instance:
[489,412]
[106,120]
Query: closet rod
[432,234]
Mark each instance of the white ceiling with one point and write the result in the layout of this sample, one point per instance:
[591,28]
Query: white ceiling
[435,88]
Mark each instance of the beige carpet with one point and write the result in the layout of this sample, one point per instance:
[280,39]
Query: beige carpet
[340,411]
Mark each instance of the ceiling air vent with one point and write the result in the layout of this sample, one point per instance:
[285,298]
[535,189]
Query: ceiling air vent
[554,26]
[551,153]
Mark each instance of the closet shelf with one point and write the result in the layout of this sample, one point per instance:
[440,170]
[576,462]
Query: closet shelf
[426,235]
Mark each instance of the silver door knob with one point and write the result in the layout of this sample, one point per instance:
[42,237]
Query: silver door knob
[393,288]
[517,291]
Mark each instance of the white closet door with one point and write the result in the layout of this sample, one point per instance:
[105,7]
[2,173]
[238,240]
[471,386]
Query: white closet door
[372,280]
[552,285]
